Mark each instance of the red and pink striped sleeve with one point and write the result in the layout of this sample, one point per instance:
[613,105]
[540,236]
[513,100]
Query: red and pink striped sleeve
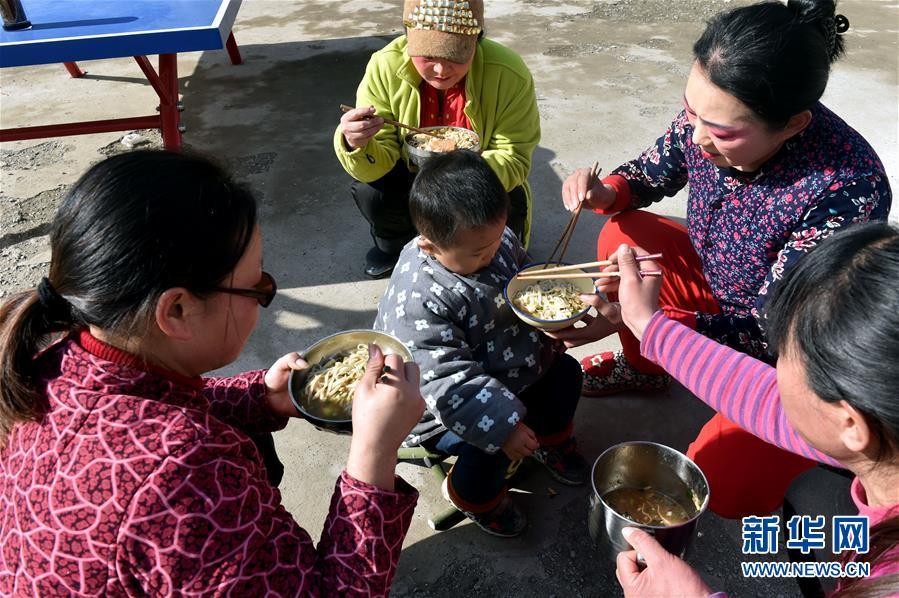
[739,387]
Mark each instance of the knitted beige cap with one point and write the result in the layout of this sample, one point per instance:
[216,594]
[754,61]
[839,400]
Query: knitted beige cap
[445,29]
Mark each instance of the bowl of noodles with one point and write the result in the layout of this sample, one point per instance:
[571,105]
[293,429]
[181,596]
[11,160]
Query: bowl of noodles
[420,147]
[649,486]
[548,304]
[323,392]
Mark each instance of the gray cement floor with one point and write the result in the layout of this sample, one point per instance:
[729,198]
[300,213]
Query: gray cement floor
[609,76]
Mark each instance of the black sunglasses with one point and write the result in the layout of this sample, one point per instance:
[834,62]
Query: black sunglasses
[264,291]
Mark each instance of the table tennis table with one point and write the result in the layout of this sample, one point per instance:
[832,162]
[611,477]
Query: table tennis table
[68,31]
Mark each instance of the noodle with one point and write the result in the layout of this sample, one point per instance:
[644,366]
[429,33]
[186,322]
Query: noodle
[330,383]
[646,506]
[452,139]
[549,300]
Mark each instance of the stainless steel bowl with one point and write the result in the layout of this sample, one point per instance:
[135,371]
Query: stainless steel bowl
[642,465]
[418,156]
[326,347]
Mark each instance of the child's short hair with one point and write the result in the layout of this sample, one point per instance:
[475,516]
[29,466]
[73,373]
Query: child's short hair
[456,191]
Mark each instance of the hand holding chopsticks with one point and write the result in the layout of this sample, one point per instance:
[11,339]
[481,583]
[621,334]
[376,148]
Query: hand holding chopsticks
[572,222]
[637,295]
[583,187]
[395,123]
[566,272]
[573,275]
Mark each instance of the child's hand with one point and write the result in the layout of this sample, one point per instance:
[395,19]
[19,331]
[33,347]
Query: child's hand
[276,379]
[387,403]
[639,296]
[521,443]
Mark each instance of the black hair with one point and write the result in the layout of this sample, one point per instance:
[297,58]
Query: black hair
[837,310]
[773,57]
[131,227]
[453,192]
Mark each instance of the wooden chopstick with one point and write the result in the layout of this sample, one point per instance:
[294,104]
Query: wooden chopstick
[539,275]
[396,123]
[585,265]
[565,239]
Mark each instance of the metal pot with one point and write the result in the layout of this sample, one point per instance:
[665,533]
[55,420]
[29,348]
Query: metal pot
[642,465]
[419,156]
[337,343]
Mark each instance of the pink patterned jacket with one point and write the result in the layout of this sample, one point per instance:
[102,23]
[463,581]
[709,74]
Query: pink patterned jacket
[141,482]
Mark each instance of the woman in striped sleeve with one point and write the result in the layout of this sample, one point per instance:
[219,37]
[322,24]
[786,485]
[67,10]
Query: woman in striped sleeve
[831,397]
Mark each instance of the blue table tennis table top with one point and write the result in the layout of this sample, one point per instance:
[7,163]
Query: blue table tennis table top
[73,30]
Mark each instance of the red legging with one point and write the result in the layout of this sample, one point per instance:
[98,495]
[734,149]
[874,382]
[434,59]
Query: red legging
[747,475]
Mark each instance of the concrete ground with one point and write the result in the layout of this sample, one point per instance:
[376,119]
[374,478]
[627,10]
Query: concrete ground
[609,76]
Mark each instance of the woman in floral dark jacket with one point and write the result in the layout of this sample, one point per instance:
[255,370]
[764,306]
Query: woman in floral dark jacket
[771,173]
[122,470]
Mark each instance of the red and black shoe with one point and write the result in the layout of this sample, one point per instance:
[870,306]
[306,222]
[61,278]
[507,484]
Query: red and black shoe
[505,520]
[610,373]
[564,462]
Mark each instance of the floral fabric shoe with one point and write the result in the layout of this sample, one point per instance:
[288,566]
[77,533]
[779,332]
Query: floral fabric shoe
[506,520]
[610,373]
[564,462]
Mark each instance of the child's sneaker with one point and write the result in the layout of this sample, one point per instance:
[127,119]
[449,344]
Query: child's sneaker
[564,462]
[505,521]
[610,373]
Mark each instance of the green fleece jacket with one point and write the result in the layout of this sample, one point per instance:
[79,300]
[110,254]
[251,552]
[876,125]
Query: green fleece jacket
[500,104]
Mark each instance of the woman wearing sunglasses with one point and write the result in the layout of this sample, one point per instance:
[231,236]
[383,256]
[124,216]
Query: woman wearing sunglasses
[122,470]
[771,172]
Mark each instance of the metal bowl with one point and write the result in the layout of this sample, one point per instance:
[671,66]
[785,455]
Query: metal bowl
[584,285]
[325,348]
[418,156]
[645,465]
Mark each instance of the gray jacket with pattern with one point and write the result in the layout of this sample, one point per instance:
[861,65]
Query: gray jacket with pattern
[475,355]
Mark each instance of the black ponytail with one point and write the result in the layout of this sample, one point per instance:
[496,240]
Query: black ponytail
[132,227]
[24,324]
[822,14]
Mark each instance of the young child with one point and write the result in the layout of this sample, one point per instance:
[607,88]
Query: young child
[495,388]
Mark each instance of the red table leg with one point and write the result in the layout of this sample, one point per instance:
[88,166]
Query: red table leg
[233,50]
[73,69]
[152,76]
[168,105]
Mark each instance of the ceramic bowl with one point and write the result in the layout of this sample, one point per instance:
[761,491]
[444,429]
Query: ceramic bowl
[583,285]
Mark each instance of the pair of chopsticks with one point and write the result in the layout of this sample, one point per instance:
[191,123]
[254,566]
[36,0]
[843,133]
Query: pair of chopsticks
[565,271]
[572,222]
[396,123]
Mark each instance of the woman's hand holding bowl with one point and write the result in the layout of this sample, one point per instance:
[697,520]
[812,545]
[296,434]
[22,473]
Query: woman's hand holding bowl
[606,322]
[277,379]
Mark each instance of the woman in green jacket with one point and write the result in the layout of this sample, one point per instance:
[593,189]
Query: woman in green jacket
[442,72]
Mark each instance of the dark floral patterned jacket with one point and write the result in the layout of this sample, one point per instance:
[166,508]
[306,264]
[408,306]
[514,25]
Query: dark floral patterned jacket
[750,228]
[141,483]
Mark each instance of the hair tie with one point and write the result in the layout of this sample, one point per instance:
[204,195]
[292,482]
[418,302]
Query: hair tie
[841,23]
[837,24]
[56,305]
